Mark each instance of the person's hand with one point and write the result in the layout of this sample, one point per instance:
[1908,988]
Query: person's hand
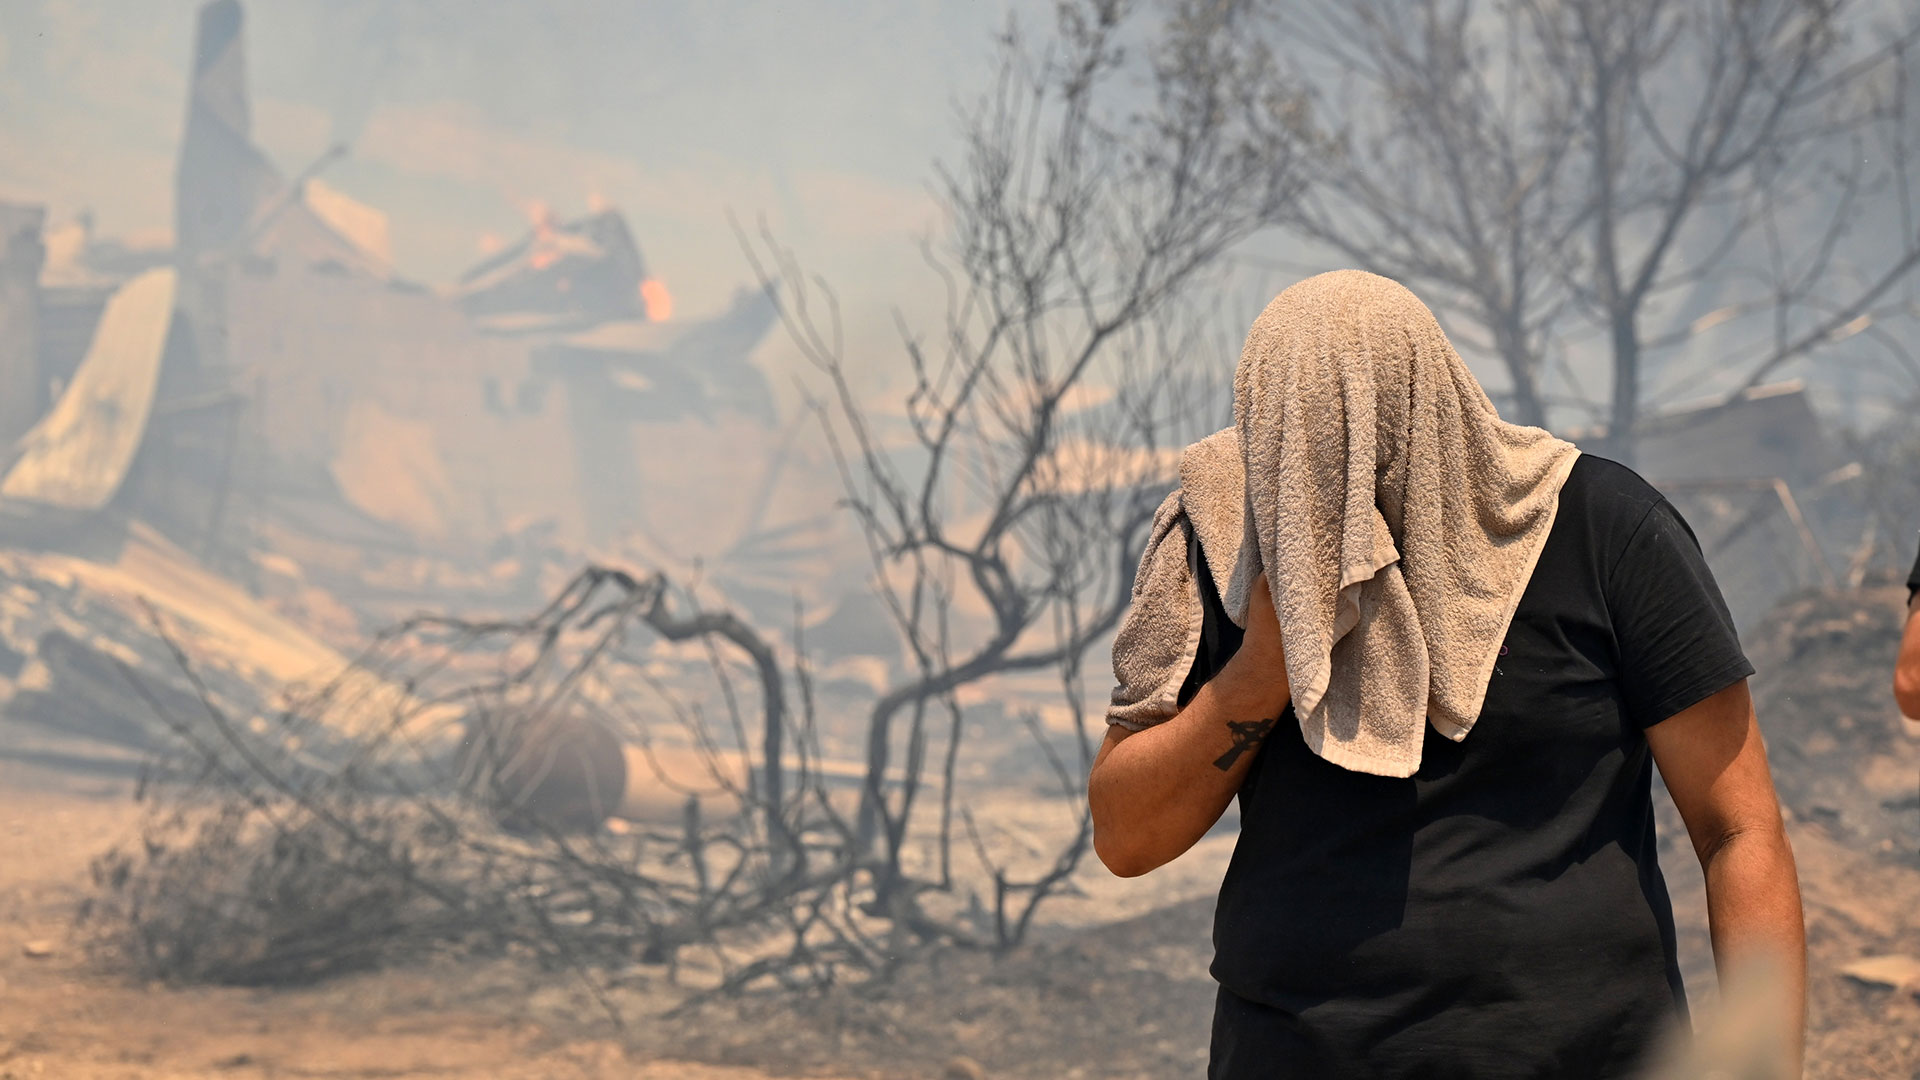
[1262,641]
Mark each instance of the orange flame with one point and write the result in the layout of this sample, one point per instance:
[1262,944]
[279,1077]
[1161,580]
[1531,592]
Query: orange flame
[540,216]
[659,303]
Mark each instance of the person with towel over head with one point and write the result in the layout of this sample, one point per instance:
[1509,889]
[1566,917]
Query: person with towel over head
[1437,657]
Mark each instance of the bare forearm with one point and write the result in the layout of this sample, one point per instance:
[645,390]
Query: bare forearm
[1906,672]
[1754,916]
[1154,794]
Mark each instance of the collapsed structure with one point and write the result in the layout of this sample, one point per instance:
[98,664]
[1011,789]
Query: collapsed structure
[267,405]
[308,392]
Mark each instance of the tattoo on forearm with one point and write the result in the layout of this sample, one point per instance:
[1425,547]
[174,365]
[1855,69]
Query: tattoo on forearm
[1247,735]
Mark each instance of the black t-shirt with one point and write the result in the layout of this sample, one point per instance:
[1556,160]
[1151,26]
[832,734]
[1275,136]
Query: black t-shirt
[1913,579]
[1501,913]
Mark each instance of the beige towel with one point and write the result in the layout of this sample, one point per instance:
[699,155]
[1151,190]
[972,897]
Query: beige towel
[1399,525]
[1160,635]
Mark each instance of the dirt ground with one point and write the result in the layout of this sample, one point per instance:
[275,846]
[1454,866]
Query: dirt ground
[62,804]
[60,1018]
[1126,999]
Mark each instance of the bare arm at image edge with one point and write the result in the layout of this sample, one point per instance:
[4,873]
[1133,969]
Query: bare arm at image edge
[1906,670]
[1715,766]
[1155,793]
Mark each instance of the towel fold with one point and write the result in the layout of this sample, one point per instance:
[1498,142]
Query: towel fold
[1397,517]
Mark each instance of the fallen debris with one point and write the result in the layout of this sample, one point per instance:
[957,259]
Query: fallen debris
[88,645]
[90,691]
[963,1068]
[1894,972]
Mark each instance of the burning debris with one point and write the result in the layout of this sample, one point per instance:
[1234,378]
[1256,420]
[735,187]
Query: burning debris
[564,275]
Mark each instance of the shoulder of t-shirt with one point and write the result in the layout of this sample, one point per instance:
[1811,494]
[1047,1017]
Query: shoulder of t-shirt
[1611,502]
[1608,494]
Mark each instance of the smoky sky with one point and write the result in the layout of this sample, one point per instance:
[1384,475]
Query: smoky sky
[825,117]
[822,117]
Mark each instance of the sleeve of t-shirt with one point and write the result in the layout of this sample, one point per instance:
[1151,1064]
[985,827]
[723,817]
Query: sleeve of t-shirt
[1913,579]
[1219,638]
[1676,642]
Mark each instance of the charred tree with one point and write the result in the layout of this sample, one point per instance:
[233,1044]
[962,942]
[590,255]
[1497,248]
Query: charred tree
[1619,178]
[1101,187]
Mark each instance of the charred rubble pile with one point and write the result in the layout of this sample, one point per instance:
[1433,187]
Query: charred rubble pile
[83,658]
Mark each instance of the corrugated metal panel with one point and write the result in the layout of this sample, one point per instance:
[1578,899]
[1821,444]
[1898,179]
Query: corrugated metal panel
[77,455]
[68,315]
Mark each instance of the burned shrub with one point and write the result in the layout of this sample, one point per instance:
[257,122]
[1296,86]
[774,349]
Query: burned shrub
[230,897]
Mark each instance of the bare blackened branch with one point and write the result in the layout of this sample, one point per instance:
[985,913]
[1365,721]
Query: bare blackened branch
[1648,171]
